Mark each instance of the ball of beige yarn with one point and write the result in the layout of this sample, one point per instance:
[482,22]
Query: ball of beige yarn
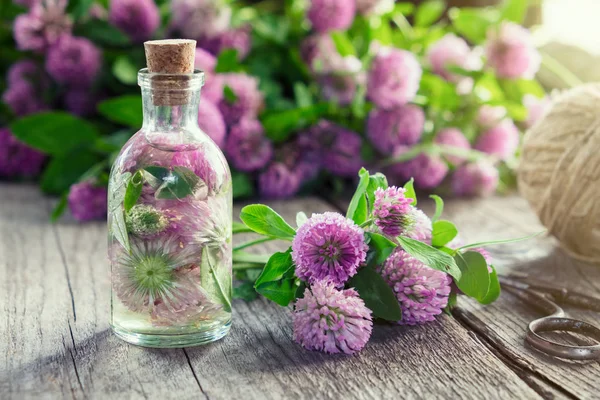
[559,173]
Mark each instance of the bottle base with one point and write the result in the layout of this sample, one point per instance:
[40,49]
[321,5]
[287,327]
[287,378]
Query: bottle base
[167,341]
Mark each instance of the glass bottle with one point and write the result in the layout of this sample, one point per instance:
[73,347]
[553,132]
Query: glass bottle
[169,219]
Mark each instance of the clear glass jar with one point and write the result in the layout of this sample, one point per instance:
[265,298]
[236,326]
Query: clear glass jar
[169,219]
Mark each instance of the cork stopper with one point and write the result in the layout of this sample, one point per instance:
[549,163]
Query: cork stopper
[171,56]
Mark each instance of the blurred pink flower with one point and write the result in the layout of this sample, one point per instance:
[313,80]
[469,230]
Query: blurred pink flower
[42,26]
[510,51]
[536,108]
[211,122]
[388,129]
[501,141]
[475,179]
[138,19]
[394,78]
[331,15]
[452,138]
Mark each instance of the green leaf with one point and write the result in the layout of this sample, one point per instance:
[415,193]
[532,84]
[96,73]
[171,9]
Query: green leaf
[410,191]
[117,188]
[343,44]
[405,9]
[245,291]
[242,185]
[227,61]
[301,218]
[380,248]
[277,267]
[439,207]
[63,171]
[377,181]
[59,209]
[229,94]
[430,256]
[514,10]
[376,293]
[281,292]
[493,242]
[473,23]
[217,282]
[357,210]
[302,95]
[102,33]
[475,278]
[443,232]
[429,12]
[172,184]
[134,190]
[125,110]
[494,290]
[125,71]
[79,8]
[56,133]
[264,220]
[279,125]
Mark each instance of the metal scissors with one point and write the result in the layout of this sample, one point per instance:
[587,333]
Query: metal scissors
[546,297]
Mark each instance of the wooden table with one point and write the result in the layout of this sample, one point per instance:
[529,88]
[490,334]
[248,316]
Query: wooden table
[56,342]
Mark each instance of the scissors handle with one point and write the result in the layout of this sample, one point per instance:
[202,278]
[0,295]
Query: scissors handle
[551,324]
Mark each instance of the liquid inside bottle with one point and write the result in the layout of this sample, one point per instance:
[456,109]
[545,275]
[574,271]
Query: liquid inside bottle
[169,219]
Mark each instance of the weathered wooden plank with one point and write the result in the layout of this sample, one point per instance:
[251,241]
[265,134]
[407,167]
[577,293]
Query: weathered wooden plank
[503,323]
[55,294]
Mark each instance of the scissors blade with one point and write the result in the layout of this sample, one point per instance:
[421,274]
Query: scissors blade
[561,294]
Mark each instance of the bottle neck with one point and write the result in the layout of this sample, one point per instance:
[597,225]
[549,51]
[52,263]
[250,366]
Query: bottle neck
[166,111]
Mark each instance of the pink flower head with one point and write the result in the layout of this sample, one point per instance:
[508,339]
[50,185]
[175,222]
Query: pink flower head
[205,61]
[339,147]
[190,302]
[331,320]
[198,19]
[238,39]
[139,19]
[453,138]
[328,246]
[247,146]
[340,87]
[510,51]
[394,78]
[301,156]
[536,108]
[501,141]
[16,158]
[388,129]
[212,123]
[421,291]
[490,116]
[391,211]
[428,170]
[450,50]
[44,24]
[278,182]
[74,61]
[331,15]
[87,201]
[23,98]
[213,88]
[475,179]
[420,228]
[318,51]
[248,98]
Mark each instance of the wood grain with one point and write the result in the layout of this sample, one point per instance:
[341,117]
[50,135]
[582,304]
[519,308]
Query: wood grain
[55,297]
[503,323]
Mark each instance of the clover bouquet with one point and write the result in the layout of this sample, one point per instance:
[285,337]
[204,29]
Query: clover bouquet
[299,93]
[384,260]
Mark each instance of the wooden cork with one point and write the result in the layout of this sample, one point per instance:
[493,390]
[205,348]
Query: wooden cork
[170,57]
